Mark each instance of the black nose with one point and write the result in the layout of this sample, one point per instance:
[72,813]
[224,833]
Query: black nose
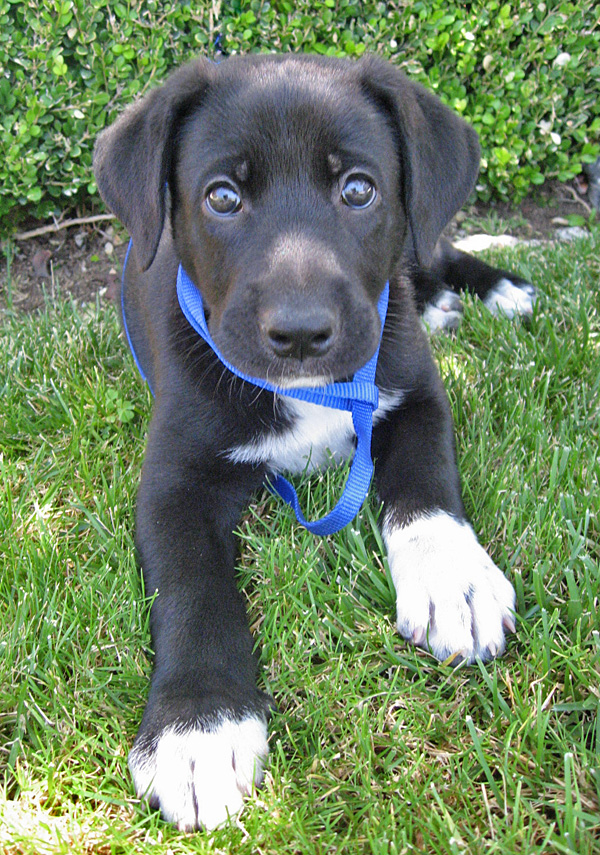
[297,334]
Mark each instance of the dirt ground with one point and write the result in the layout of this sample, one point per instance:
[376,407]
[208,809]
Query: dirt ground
[85,261]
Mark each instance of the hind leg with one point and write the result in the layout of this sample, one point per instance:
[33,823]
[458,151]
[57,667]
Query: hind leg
[502,291]
[439,307]
[453,271]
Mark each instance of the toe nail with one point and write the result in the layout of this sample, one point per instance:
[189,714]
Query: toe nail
[509,624]
[418,636]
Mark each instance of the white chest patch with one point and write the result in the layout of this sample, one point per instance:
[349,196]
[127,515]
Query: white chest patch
[317,437]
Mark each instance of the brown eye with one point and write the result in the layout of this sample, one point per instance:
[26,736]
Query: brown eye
[358,192]
[223,200]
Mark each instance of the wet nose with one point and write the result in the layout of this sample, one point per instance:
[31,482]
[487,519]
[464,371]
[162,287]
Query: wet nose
[299,334]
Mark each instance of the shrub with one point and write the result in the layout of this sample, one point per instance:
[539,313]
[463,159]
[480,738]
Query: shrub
[527,76]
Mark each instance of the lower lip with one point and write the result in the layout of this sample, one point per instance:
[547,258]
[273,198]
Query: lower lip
[302,382]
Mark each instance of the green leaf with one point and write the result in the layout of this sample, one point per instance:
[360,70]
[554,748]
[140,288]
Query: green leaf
[73,60]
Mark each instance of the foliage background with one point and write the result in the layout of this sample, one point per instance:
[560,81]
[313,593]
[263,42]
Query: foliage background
[526,75]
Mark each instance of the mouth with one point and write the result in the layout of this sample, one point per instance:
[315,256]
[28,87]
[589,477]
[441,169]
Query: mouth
[303,382]
[295,374]
[311,374]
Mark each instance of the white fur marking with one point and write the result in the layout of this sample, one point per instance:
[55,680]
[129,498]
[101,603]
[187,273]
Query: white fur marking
[511,300]
[451,597]
[200,777]
[301,382]
[300,250]
[443,313]
[317,437]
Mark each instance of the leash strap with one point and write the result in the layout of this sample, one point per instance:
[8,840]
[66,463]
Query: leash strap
[125,325]
[360,397]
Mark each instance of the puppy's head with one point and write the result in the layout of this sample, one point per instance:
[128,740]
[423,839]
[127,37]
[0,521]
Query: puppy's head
[296,183]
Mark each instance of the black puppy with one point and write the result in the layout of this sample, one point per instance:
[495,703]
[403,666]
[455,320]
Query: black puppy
[291,188]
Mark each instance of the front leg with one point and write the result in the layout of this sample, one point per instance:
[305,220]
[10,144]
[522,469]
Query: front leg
[451,597]
[202,742]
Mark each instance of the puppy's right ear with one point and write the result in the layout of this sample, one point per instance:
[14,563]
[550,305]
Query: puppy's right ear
[133,157]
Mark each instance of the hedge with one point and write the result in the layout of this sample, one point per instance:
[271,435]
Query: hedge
[527,76]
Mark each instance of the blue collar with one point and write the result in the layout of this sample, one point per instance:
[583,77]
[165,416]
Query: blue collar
[360,397]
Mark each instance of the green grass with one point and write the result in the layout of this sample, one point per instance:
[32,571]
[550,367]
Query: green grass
[375,748]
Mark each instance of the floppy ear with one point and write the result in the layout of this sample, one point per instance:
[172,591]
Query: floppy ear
[132,158]
[439,152]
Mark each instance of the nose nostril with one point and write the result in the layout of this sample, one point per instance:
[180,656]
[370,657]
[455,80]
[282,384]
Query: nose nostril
[298,335]
[320,342]
[281,343]
[300,343]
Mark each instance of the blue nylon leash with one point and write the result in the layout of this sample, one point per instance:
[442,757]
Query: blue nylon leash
[360,397]
[124,317]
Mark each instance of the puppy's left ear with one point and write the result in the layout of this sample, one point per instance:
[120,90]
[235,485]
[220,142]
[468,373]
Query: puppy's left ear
[439,152]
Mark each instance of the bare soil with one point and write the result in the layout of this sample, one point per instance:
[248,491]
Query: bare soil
[85,261]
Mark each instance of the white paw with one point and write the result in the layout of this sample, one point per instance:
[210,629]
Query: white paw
[451,597]
[199,777]
[443,313]
[511,300]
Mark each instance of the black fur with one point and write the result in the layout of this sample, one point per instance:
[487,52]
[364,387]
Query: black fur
[284,132]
